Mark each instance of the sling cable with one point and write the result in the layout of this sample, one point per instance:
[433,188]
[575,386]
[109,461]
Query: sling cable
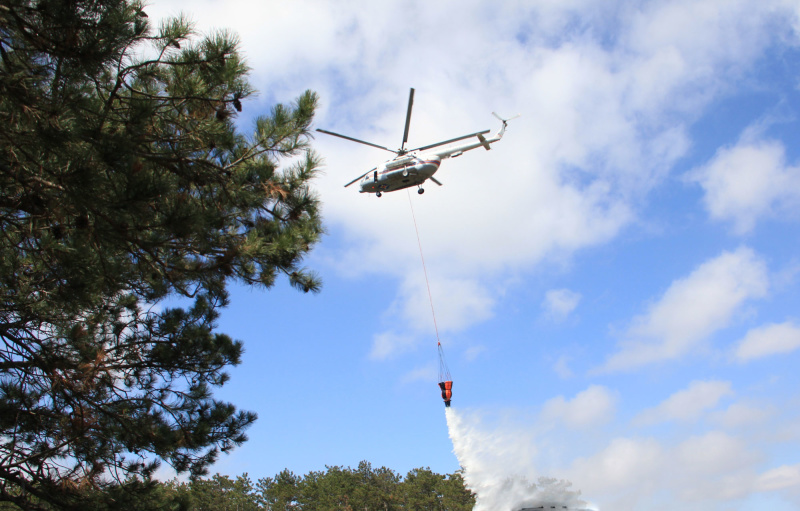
[445,380]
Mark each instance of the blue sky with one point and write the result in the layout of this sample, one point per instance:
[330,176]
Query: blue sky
[616,283]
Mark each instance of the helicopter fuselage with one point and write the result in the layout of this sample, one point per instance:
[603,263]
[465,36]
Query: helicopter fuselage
[412,167]
[403,172]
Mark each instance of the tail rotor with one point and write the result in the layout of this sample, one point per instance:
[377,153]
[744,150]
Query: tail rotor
[505,121]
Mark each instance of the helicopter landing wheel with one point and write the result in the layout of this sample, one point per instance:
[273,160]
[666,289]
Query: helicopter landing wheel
[421,191]
[378,194]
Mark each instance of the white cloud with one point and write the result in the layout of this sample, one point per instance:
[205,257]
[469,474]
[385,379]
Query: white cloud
[715,452]
[389,344]
[692,309]
[562,369]
[768,340]
[625,463]
[688,404]
[426,373]
[750,181]
[458,303]
[589,408]
[780,478]
[740,415]
[694,31]
[559,303]
[473,352]
[714,466]
[644,473]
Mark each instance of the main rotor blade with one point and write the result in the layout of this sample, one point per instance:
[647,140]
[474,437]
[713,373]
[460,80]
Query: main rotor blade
[435,180]
[451,140]
[408,118]
[359,177]
[356,140]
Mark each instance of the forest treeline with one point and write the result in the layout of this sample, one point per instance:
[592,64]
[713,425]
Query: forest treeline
[362,488]
[336,488]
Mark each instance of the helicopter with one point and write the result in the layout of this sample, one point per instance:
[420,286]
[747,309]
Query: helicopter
[412,167]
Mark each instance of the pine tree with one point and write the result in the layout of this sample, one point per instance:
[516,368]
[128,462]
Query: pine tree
[124,184]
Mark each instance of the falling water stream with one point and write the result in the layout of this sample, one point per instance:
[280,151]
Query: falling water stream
[486,459]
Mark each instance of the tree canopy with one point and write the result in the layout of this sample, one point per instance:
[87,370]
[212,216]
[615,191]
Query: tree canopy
[361,489]
[124,183]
